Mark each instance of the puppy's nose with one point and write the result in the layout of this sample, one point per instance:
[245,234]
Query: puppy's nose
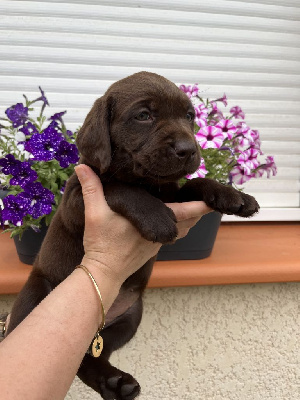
[184,150]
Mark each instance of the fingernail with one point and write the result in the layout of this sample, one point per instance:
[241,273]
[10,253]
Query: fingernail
[80,172]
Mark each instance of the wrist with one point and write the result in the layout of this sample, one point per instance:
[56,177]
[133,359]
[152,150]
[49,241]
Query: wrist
[103,267]
[109,286]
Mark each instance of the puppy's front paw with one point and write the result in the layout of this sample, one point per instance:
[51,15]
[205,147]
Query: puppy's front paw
[249,207]
[158,225]
[121,386]
[228,200]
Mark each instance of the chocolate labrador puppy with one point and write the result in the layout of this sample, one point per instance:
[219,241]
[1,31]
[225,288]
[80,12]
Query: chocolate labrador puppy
[139,138]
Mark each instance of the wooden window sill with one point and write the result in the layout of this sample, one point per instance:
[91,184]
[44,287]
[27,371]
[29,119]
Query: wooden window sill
[243,253]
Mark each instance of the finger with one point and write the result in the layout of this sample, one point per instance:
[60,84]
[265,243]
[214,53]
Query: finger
[92,190]
[188,223]
[189,209]
[185,225]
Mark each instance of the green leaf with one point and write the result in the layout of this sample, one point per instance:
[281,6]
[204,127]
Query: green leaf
[63,176]
[48,218]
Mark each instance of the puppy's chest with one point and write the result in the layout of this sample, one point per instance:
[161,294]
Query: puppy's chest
[166,193]
[125,299]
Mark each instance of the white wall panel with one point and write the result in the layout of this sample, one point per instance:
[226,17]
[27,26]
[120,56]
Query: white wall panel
[75,49]
[146,30]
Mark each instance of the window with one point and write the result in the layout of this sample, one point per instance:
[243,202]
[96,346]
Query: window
[249,50]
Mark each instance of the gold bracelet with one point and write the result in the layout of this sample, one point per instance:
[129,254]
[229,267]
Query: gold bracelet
[96,346]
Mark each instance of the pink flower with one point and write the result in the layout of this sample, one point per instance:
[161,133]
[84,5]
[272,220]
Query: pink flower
[243,134]
[270,160]
[228,128]
[259,173]
[239,175]
[201,122]
[248,159]
[237,112]
[216,114]
[256,140]
[214,106]
[270,168]
[191,91]
[256,145]
[210,137]
[223,100]
[255,135]
[242,143]
[200,173]
[235,142]
[242,128]
[201,111]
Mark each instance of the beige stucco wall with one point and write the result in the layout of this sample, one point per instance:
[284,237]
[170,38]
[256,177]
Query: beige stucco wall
[225,342]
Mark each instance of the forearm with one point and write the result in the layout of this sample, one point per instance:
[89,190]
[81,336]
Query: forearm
[40,358]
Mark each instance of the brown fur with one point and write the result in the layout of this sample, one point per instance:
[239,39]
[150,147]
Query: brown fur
[139,163]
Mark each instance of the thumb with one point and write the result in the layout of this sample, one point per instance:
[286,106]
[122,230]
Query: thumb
[190,209]
[92,190]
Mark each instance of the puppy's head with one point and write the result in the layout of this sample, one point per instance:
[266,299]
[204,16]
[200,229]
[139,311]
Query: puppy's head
[142,129]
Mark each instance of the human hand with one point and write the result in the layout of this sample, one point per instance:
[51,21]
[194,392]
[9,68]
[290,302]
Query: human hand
[110,241]
[188,214]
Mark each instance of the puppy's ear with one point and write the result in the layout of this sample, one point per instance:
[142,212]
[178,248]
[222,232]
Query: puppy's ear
[93,139]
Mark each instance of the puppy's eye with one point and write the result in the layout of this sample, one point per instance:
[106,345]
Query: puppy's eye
[190,116]
[143,116]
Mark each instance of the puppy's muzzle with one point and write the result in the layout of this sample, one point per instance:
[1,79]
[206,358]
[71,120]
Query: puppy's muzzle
[184,150]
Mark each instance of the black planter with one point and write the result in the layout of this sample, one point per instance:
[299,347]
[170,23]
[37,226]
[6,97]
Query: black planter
[3,193]
[197,244]
[30,244]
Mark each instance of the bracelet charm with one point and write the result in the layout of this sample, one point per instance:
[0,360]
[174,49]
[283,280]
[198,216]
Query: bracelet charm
[97,345]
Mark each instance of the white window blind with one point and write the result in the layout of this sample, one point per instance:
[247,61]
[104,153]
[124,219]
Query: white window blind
[248,49]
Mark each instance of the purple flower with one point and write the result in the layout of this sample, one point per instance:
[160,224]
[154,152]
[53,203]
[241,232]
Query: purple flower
[62,189]
[29,129]
[18,114]
[66,154]
[41,199]
[248,159]
[200,173]
[53,124]
[23,175]
[43,98]
[227,127]
[15,208]
[44,145]
[210,137]
[191,91]
[237,112]
[227,148]
[9,165]
[57,116]
[240,175]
